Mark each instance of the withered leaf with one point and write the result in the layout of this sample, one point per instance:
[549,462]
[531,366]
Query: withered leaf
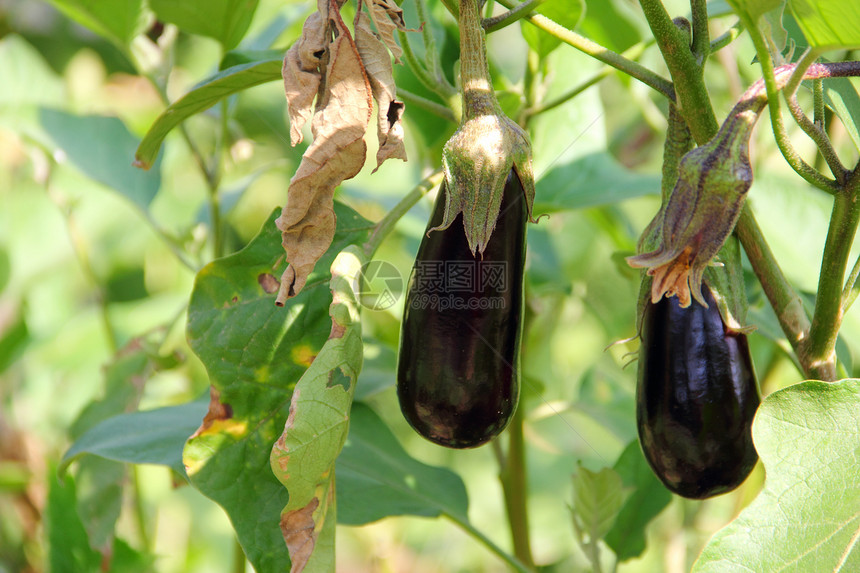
[307,222]
[379,71]
[301,70]
[387,17]
[300,534]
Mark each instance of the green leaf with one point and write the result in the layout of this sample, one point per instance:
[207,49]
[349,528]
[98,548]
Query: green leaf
[564,12]
[828,24]
[117,20]
[754,8]
[610,24]
[68,548]
[14,337]
[646,500]
[103,149]
[203,96]
[255,353]
[224,20]
[840,95]
[377,478]
[597,498]
[148,437]
[303,457]
[807,517]
[592,180]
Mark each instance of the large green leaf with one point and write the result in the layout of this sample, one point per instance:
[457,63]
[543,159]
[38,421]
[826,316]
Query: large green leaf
[148,437]
[609,23]
[103,149]
[647,499]
[68,547]
[564,12]
[255,353]
[807,517]
[117,20]
[224,20]
[754,8]
[203,96]
[590,181]
[303,457]
[828,24]
[597,499]
[377,478]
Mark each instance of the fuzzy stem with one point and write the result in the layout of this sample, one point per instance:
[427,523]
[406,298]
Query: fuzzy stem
[478,96]
[511,16]
[691,96]
[598,52]
[426,104]
[818,354]
[701,36]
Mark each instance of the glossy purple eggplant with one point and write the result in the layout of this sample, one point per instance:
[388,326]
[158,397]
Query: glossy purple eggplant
[695,399]
[459,345]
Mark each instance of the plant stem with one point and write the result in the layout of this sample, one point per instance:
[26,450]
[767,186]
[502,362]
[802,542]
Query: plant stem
[785,301]
[818,354]
[633,52]
[515,488]
[384,227]
[139,511]
[443,89]
[512,561]
[701,36]
[511,16]
[479,98]
[726,37]
[598,52]
[691,95]
[426,104]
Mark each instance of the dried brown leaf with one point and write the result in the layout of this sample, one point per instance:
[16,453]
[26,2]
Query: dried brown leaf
[307,222]
[377,65]
[387,17]
[301,71]
[300,534]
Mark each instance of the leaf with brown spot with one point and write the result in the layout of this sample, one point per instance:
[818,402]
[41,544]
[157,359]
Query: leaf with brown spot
[337,153]
[387,17]
[377,65]
[303,458]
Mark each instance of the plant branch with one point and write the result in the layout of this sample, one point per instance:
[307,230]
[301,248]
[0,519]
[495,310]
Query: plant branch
[785,302]
[818,354]
[701,36]
[426,104]
[691,95]
[513,562]
[633,52]
[726,37]
[598,52]
[443,89]
[515,488]
[384,227]
[511,16]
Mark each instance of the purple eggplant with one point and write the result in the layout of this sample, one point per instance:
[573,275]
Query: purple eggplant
[457,379]
[695,399]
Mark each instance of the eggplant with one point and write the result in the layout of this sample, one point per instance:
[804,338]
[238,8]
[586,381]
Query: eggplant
[457,379]
[695,399]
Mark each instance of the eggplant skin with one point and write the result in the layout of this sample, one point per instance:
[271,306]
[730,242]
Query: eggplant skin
[457,379]
[695,399]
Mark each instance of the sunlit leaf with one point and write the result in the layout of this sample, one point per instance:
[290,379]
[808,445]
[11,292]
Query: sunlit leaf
[255,353]
[103,149]
[377,478]
[224,20]
[828,24]
[117,20]
[597,498]
[841,96]
[206,94]
[754,8]
[807,517]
